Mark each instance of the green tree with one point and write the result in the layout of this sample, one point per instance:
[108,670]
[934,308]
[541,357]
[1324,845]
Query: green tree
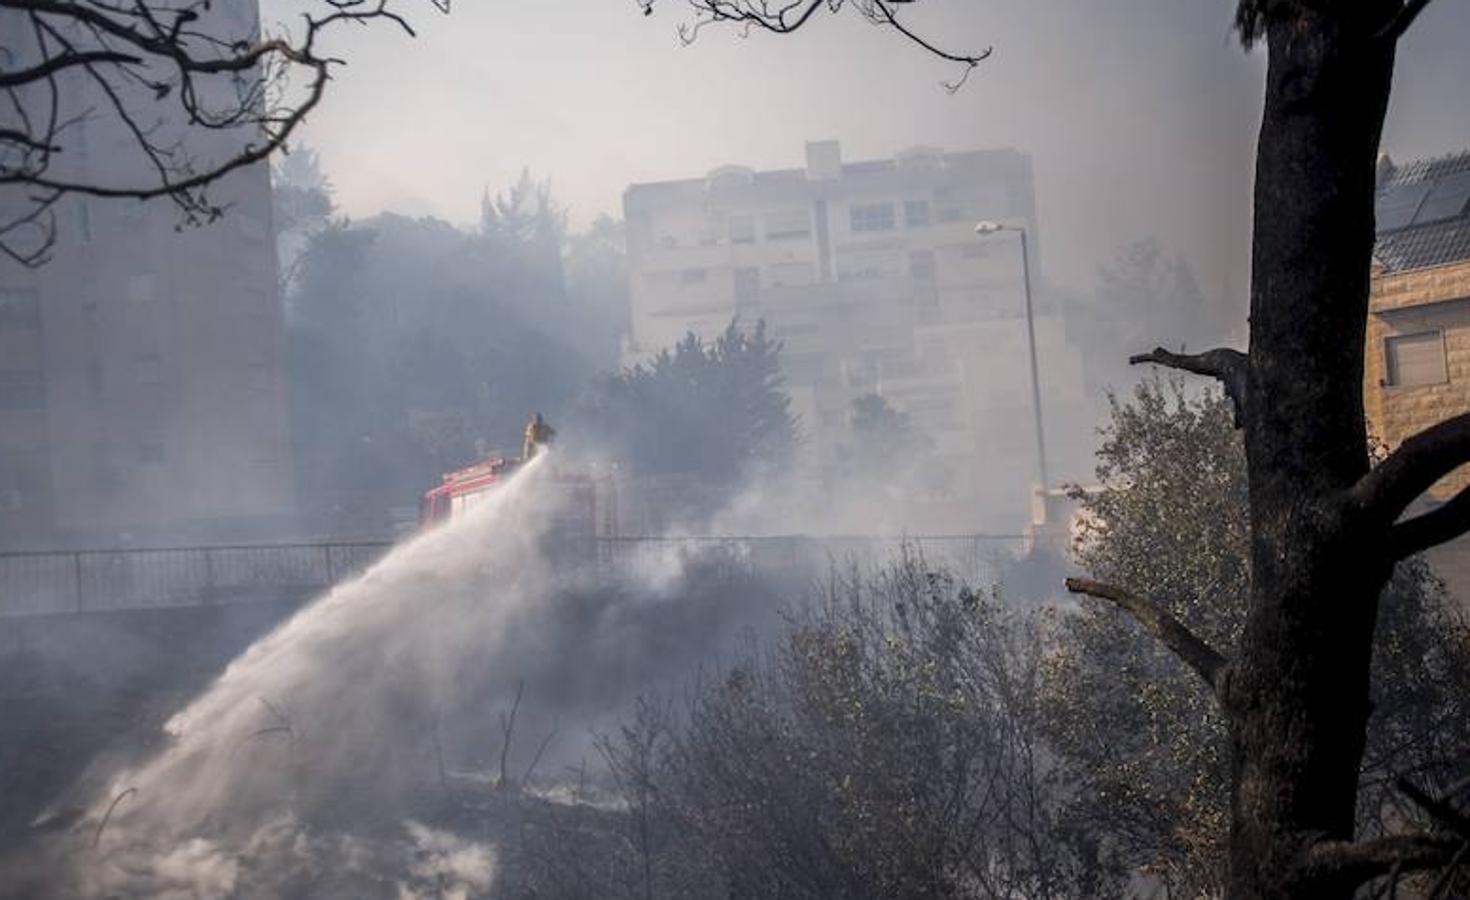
[716,410]
[1145,743]
[416,346]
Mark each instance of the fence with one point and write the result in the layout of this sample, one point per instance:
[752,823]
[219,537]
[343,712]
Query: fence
[86,581]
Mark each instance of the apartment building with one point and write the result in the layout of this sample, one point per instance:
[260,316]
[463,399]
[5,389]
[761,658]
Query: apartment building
[142,369]
[1418,345]
[872,275]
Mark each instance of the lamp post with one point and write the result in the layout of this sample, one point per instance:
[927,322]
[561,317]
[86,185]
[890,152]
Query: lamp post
[985,229]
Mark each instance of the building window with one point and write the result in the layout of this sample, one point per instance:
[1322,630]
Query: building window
[693,276]
[915,213]
[788,225]
[19,308]
[871,217]
[1415,359]
[742,229]
[747,284]
[142,288]
[790,274]
[25,479]
[21,389]
[952,214]
[921,265]
[129,211]
[84,222]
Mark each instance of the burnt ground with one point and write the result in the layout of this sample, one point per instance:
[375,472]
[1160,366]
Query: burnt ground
[79,691]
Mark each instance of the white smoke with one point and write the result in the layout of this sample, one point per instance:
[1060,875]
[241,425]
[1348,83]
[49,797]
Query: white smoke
[311,759]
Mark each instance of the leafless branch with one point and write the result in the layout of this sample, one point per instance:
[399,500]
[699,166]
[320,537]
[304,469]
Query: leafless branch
[786,16]
[540,751]
[1173,634]
[1402,20]
[507,729]
[1384,493]
[1346,862]
[1441,524]
[1443,882]
[1441,810]
[1231,367]
[193,94]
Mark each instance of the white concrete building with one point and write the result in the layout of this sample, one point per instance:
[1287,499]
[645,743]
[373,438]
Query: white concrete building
[872,275]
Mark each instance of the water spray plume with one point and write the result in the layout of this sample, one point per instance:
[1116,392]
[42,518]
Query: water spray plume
[335,713]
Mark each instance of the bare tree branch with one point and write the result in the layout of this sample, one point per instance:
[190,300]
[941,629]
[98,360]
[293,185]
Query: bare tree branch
[540,751]
[1441,810]
[56,64]
[1346,862]
[1173,634]
[1402,20]
[508,729]
[1410,470]
[1231,367]
[1442,524]
[162,74]
[786,16]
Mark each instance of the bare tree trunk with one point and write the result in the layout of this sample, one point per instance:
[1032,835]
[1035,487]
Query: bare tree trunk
[1297,696]
[1324,529]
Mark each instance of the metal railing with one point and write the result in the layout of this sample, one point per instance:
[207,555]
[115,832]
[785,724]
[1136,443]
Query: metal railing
[108,580]
[88,581]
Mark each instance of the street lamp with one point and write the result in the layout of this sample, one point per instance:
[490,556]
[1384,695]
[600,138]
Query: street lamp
[986,229]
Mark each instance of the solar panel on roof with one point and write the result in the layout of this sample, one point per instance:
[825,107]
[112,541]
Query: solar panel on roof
[1396,206]
[1446,199]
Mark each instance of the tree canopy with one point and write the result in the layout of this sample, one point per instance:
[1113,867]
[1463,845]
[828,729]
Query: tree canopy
[1172,511]
[716,409]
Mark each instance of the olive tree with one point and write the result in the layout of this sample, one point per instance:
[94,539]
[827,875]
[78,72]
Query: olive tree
[1146,744]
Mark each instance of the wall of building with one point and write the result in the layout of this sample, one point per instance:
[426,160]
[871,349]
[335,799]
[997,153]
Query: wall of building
[1425,300]
[872,276]
[142,369]
[1418,301]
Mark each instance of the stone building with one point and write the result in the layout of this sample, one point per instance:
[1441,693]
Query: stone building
[1418,347]
[872,276]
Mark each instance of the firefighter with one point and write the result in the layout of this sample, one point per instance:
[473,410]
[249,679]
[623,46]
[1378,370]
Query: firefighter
[538,435]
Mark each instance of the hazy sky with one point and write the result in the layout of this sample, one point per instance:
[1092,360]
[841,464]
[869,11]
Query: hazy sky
[1139,114]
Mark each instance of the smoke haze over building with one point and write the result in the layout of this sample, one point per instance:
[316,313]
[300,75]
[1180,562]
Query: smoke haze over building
[1140,117]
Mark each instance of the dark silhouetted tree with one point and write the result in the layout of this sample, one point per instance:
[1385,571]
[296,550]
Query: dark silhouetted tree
[718,410]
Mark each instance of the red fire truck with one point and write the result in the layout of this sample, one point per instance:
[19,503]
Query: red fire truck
[583,498]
